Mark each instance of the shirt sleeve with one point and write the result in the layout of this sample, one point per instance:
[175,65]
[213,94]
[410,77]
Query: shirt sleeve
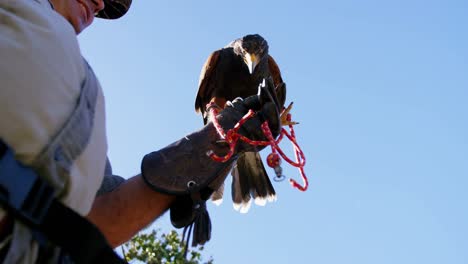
[110,181]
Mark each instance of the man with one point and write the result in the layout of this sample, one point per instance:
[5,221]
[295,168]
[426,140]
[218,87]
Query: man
[52,117]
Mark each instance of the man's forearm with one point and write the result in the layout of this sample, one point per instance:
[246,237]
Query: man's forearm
[120,214]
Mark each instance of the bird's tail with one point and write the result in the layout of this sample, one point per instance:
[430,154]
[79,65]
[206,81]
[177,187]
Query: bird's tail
[250,180]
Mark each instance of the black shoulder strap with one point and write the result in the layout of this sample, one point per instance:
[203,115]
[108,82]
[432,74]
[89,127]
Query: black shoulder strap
[31,200]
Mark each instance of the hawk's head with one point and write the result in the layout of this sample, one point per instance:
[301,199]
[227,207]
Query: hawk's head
[253,49]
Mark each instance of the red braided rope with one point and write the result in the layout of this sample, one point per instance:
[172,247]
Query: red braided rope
[232,136]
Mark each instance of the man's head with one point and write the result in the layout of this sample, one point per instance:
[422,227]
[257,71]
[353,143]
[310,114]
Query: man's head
[81,13]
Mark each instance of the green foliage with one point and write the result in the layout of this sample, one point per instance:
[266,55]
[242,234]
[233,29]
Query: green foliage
[152,248]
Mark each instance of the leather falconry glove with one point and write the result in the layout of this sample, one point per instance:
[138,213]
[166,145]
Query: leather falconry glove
[185,169]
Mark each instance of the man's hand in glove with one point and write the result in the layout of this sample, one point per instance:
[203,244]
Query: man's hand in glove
[185,169]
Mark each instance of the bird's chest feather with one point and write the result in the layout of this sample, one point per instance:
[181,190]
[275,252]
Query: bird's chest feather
[234,79]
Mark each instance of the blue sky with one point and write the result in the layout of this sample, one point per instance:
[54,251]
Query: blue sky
[380,89]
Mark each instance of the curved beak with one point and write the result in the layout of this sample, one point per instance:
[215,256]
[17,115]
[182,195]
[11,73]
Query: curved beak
[251,60]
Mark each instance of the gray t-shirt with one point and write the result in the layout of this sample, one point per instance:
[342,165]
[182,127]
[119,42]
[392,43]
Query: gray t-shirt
[110,181]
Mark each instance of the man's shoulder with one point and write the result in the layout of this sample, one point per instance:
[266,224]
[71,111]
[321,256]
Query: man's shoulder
[41,71]
[36,39]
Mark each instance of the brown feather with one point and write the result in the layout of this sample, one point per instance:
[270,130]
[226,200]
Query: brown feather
[274,71]
[205,76]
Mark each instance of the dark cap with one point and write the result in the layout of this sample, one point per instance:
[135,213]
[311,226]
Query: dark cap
[114,9]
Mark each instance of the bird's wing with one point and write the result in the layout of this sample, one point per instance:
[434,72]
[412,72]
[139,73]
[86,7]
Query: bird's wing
[205,91]
[274,70]
[277,80]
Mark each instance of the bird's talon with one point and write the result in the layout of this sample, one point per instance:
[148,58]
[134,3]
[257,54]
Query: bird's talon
[289,123]
[288,109]
[285,117]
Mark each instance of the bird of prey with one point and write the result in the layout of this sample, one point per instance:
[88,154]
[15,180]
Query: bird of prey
[236,71]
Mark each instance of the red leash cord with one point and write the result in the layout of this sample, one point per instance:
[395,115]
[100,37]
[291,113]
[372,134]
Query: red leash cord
[273,159]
